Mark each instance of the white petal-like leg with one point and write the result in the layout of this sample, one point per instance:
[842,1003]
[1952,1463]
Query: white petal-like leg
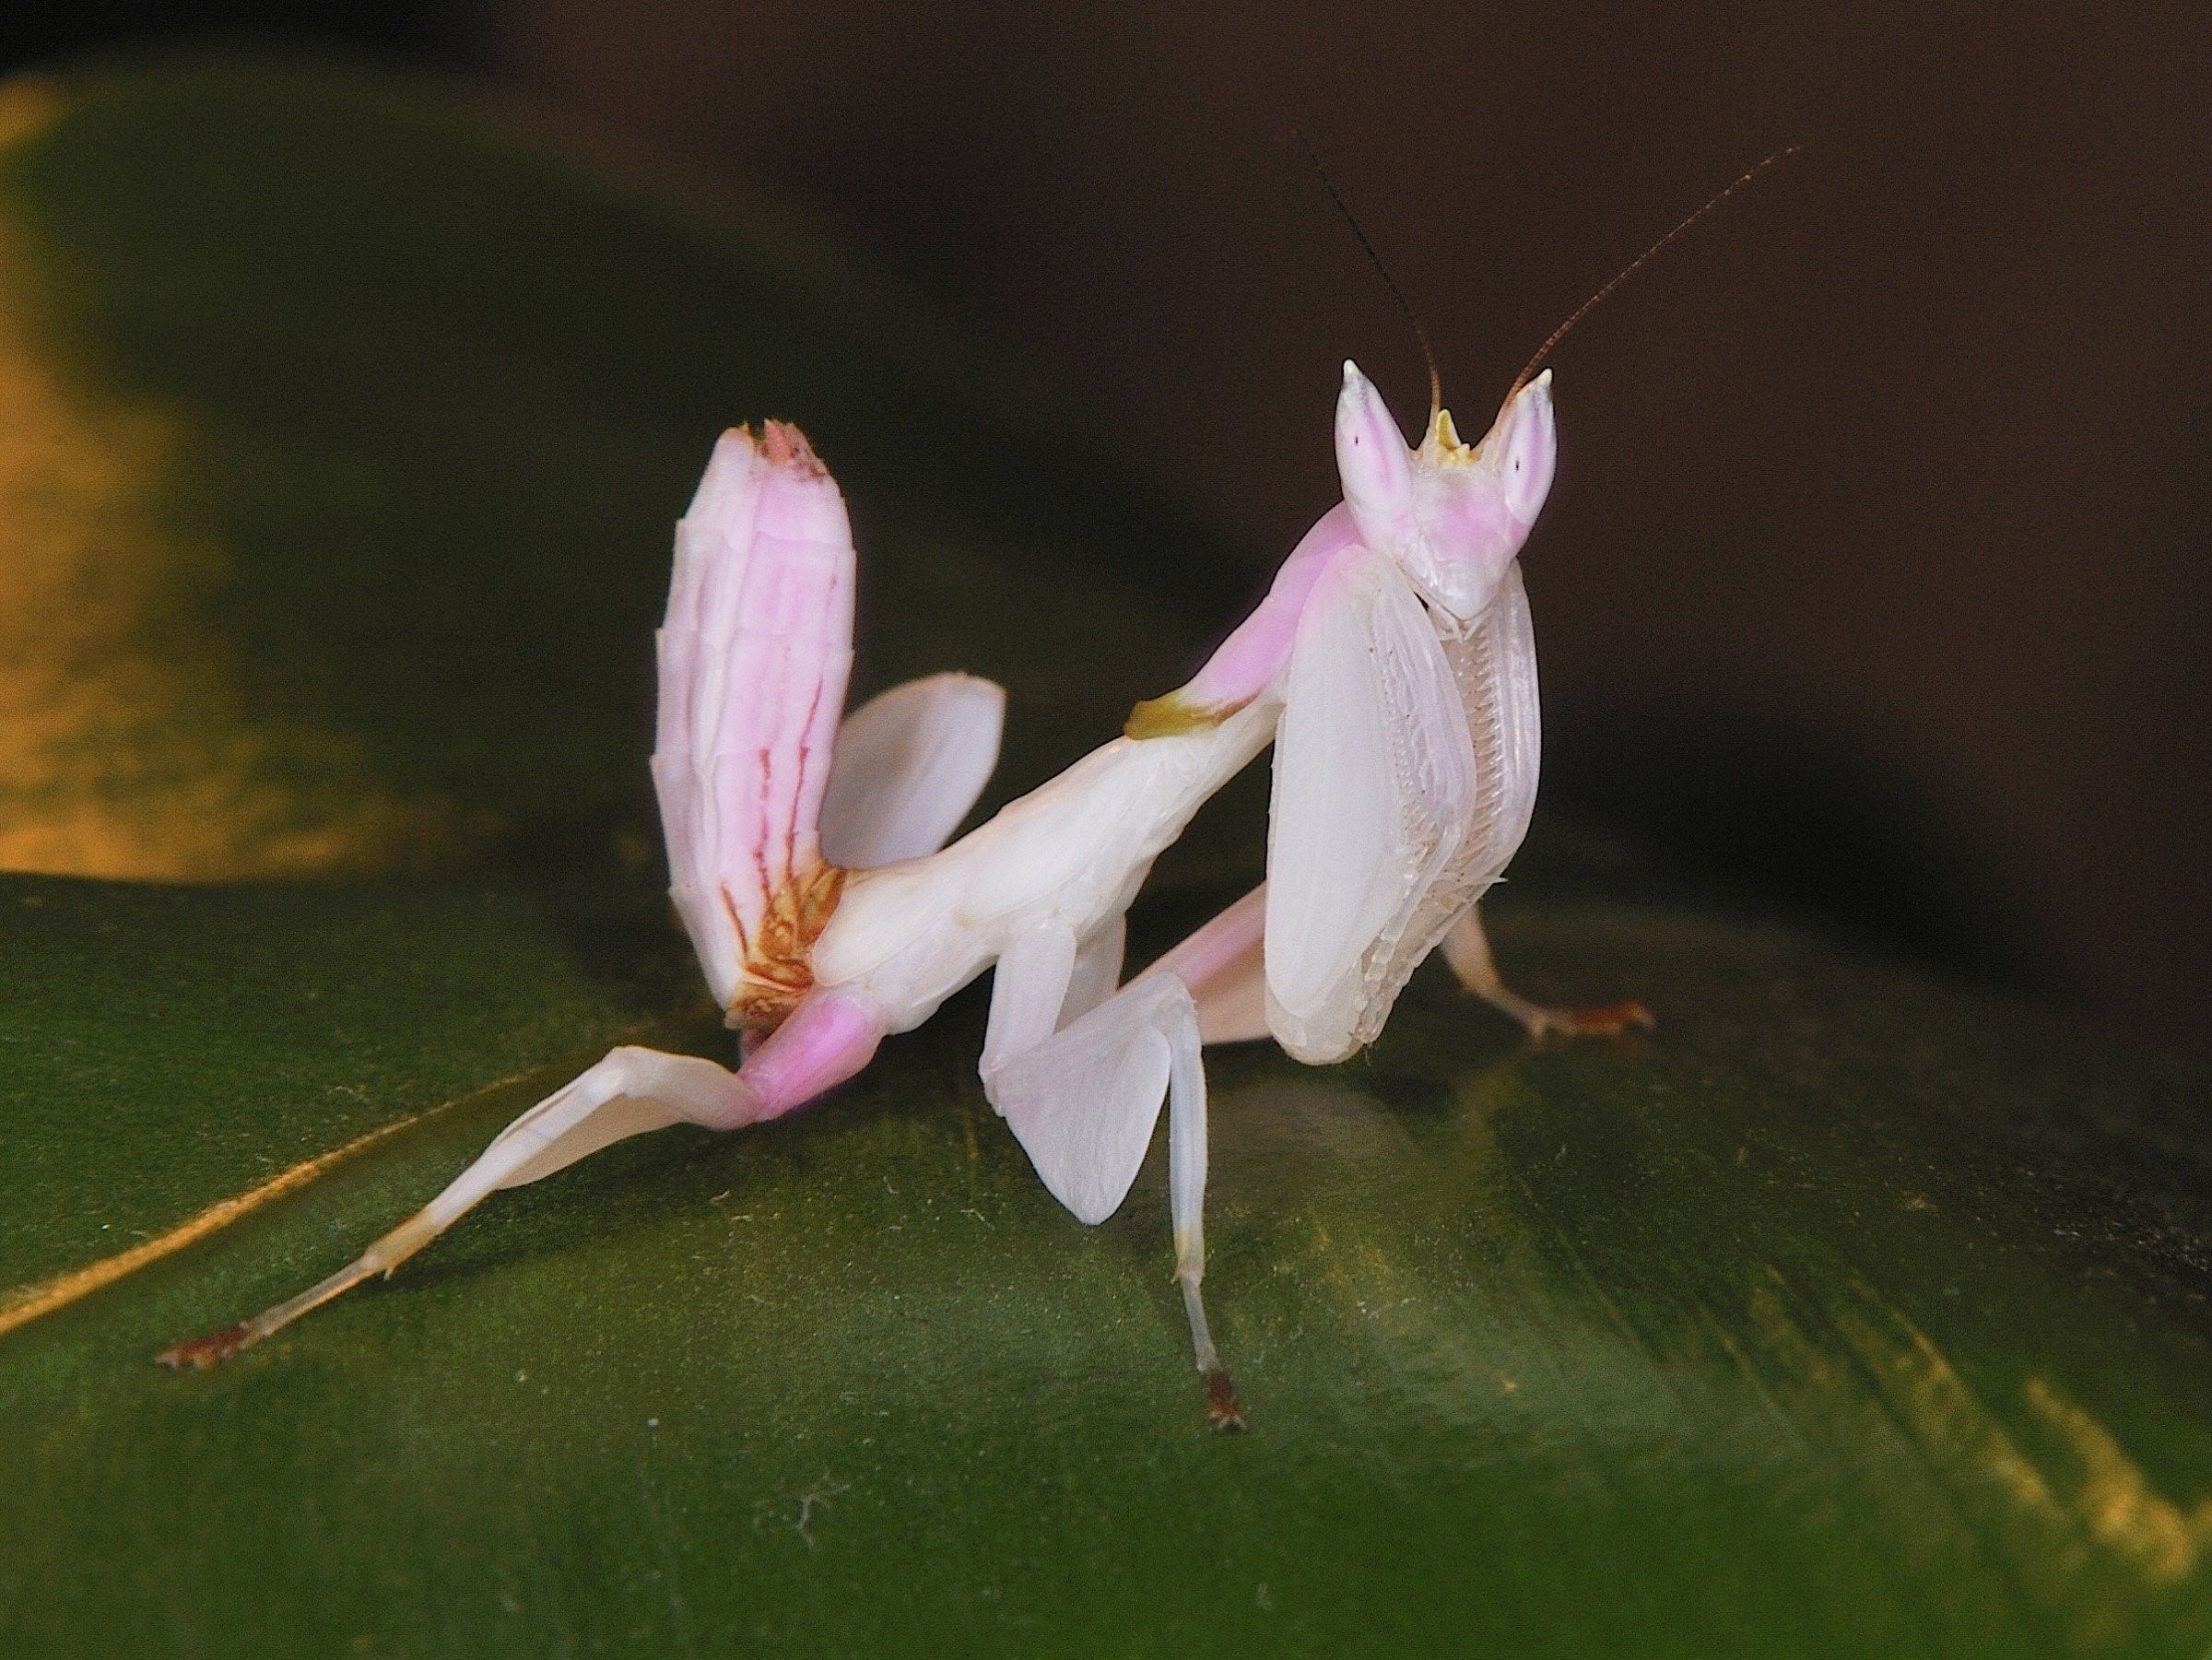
[1467,949]
[631,1090]
[1223,963]
[1098,971]
[1083,1103]
[909,763]
[628,1092]
[1027,990]
[1186,1192]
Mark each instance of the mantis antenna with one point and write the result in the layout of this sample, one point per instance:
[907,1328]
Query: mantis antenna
[1436,382]
[1628,270]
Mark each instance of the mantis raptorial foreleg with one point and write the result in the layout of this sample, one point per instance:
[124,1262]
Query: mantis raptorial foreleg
[1467,949]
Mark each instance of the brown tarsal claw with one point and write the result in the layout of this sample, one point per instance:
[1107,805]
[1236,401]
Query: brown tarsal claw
[1605,1020]
[199,1353]
[1221,1403]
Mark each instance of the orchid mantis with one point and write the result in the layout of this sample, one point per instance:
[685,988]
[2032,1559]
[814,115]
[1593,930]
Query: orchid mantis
[1392,667]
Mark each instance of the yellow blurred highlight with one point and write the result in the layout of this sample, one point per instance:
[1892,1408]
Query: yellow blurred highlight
[2045,1480]
[2112,1500]
[28,107]
[125,747]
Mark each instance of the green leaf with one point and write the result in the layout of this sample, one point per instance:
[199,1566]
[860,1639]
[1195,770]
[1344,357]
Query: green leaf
[1845,1314]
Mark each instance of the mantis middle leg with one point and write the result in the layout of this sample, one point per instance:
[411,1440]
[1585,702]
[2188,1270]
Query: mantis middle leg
[1083,1098]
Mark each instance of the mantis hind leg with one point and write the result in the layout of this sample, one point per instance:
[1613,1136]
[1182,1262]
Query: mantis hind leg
[631,1090]
[1467,949]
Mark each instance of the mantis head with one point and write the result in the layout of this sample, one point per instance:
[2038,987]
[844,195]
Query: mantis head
[1452,515]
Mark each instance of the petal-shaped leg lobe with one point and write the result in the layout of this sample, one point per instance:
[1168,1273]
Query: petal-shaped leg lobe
[1097,975]
[1083,1103]
[910,764]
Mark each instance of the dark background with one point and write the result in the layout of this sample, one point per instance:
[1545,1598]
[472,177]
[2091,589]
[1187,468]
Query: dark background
[1876,574]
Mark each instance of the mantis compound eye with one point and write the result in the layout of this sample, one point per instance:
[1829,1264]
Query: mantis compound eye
[1373,464]
[1524,444]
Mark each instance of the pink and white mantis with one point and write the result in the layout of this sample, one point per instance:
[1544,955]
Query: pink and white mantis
[1392,666]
